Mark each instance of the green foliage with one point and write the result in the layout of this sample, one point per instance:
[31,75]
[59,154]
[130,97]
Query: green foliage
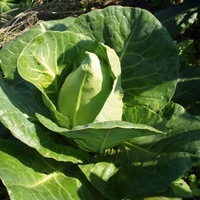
[7,5]
[89,105]
[179,18]
[183,25]
[11,8]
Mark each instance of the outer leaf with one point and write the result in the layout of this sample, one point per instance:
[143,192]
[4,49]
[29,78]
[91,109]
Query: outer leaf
[148,57]
[12,49]
[178,120]
[145,174]
[178,19]
[99,174]
[188,89]
[144,171]
[43,65]
[28,175]
[44,59]
[99,136]
[144,115]
[14,116]
[57,25]
[148,166]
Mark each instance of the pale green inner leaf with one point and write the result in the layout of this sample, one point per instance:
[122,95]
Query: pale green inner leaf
[85,91]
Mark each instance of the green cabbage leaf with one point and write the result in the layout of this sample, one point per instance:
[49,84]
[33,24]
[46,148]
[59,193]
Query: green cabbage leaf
[86,109]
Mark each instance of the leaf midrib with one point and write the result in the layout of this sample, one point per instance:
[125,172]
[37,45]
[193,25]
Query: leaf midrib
[51,73]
